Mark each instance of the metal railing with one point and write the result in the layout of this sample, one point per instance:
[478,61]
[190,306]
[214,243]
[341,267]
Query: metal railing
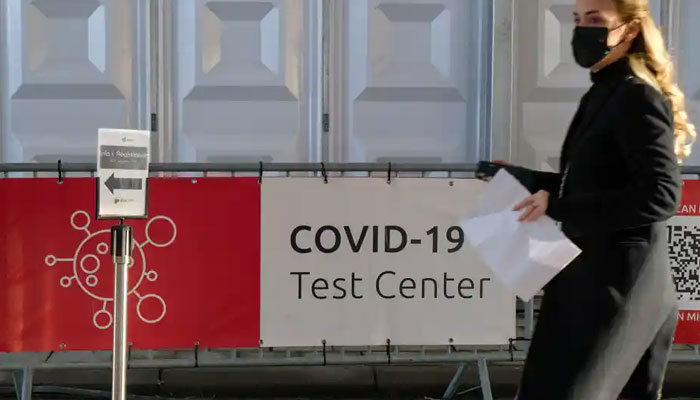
[250,167]
[269,167]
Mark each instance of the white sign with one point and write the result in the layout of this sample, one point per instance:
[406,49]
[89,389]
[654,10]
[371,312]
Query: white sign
[122,170]
[683,234]
[524,256]
[358,261]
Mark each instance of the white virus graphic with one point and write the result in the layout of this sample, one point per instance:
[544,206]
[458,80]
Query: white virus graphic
[92,264]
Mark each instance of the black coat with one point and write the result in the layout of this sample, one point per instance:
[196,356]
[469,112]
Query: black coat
[607,320]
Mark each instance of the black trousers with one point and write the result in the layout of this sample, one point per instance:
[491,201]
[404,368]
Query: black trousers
[647,379]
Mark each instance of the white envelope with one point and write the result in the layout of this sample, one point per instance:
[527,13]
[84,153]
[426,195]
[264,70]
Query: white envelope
[525,256]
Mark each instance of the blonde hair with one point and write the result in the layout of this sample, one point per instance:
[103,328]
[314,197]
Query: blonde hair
[651,62]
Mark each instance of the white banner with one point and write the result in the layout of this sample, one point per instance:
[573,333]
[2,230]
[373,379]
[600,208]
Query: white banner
[358,261]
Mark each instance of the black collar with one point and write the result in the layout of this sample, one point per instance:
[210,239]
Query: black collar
[615,72]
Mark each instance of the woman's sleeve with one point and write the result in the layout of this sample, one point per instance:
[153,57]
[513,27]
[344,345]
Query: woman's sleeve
[535,181]
[652,193]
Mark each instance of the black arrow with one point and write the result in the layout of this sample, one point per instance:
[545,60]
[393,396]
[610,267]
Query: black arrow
[113,183]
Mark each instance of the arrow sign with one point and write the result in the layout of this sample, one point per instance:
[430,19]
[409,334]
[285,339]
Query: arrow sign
[123,157]
[113,183]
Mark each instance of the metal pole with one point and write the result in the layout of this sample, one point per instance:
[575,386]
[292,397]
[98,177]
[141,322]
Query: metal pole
[529,319]
[122,244]
[485,380]
[24,383]
[455,382]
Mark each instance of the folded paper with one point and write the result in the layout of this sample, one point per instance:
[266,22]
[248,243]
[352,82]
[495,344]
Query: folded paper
[525,256]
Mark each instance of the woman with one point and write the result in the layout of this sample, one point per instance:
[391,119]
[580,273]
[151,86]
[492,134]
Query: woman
[607,320]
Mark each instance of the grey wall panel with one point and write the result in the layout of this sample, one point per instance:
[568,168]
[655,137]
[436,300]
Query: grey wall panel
[687,55]
[71,67]
[245,80]
[406,79]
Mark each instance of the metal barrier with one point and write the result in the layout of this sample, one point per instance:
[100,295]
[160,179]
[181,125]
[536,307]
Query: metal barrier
[25,363]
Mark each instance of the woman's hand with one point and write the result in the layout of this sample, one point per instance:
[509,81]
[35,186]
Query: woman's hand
[534,206]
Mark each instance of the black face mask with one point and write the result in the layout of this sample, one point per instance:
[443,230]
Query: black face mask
[590,44]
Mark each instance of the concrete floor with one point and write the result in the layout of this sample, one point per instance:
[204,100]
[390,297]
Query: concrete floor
[359,382]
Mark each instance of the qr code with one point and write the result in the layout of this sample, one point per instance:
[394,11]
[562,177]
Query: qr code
[684,250]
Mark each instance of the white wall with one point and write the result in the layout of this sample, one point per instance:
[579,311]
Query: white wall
[407,80]
[242,80]
[686,50]
[248,80]
[69,67]
[245,80]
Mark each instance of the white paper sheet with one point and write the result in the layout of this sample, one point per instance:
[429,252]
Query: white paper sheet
[525,256]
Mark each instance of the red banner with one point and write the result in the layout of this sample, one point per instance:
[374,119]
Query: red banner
[684,254]
[195,276]
[196,271]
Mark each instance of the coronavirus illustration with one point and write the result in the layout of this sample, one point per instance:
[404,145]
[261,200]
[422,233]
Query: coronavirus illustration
[93,270]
